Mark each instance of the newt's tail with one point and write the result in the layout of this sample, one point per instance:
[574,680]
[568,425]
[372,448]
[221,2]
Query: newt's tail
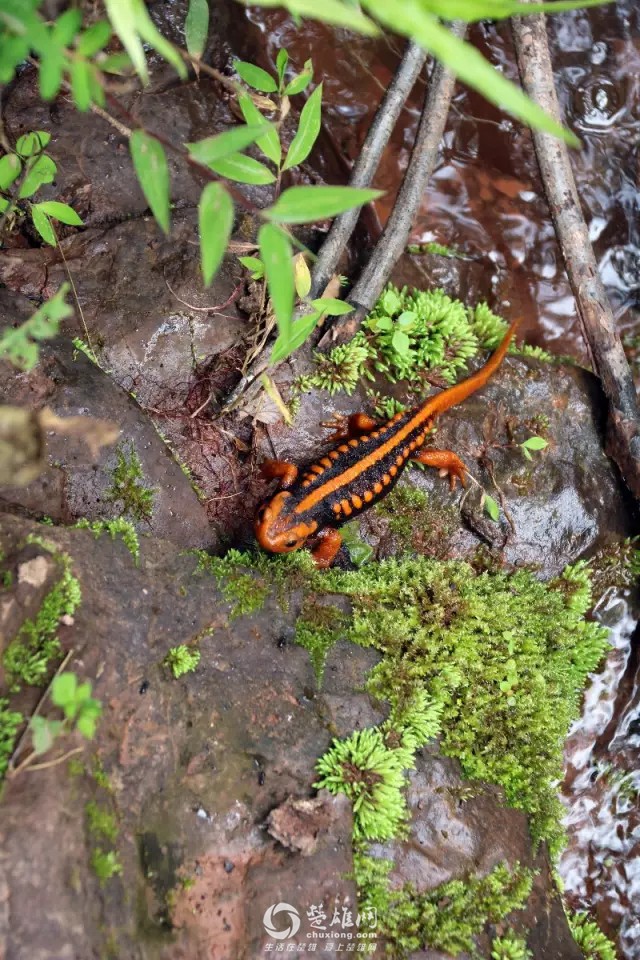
[454,395]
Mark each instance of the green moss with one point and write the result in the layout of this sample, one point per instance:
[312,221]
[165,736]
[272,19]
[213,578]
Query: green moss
[436,249]
[126,486]
[7,578]
[418,524]
[446,918]
[101,823]
[595,945]
[510,947]
[27,657]
[118,527]
[10,723]
[247,593]
[317,630]
[105,864]
[617,565]
[181,660]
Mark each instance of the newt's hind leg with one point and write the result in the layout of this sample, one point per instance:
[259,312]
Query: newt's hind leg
[328,544]
[446,462]
[348,428]
[280,470]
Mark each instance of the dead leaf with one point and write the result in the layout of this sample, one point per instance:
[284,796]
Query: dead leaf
[95,433]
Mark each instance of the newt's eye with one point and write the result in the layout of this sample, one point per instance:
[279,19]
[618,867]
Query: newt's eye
[292,543]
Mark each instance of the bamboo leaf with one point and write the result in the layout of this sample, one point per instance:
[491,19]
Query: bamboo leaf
[302,275]
[215,221]
[223,144]
[269,143]
[196,27]
[152,170]
[307,132]
[276,255]
[307,204]
[332,307]
[300,331]
[281,64]
[491,508]
[60,211]
[255,76]
[243,169]
[301,81]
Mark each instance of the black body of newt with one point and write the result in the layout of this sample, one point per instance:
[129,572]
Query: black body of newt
[362,469]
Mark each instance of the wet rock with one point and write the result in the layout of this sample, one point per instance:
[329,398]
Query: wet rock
[161,499]
[564,503]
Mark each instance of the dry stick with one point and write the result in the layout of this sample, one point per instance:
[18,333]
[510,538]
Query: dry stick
[594,310]
[394,239]
[363,171]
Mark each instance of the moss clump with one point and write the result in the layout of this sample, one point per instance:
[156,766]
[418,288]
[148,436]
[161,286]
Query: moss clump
[510,947]
[246,592]
[436,250]
[408,334]
[115,528]
[595,945]
[617,565]
[105,864]
[126,486]
[505,657]
[418,525]
[317,630]
[101,822]
[10,723]
[27,657]
[181,660]
[446,918]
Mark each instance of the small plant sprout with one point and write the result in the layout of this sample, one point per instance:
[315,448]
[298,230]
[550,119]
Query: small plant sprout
[510,947]
[181,660]
[105,864]
[533,443]
[595,945]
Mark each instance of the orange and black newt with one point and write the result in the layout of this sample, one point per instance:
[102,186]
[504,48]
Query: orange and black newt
[361,470]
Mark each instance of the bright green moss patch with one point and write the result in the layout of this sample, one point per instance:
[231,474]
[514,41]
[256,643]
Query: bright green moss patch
[317,629]
[446,918]
[408,334]
[28,655]
[105,864]
[127,487]
[510,947]
[115,528]
[419,525]
[102,823]
[10,723]
[181,660]
[595,945]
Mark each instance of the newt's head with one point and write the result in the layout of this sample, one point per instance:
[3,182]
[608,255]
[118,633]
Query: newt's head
[277,527]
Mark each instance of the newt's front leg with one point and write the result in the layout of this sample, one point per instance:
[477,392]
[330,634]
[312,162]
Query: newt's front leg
[348,428]
[326,550]
[280,470]
[446,462]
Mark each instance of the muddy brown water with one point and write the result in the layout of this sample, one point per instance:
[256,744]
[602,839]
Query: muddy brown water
[485,198]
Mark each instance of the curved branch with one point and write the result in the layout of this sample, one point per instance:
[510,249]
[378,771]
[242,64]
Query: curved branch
[393,241]
[367,163]
[594,310]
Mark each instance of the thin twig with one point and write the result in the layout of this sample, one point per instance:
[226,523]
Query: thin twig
[35,713]
[394,238]
[594,310]
[214,309]
[52,763]
[75,296]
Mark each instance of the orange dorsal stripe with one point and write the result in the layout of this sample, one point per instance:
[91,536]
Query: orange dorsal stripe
[428,411]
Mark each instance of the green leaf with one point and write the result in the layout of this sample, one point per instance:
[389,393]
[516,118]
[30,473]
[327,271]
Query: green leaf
[307,204]
[224,144]
[401,343]
[286,343]
[270,142]
[196,27]
[118,63]
[215,222]
[254,265]
[526,453]
[66,27]
[491,507]
[411,19]
[80,84]
[64,689]
[276,255]
[281,64]
[243,169]
[19,345]
[10,168]
[335,12]
[301,81]
[332,307]
[255,76]
[150,163]
[60,211]
[359,551]
[32,143]
[42,170]
[86,725]
[535,443]
[94,39]
[474,10]
[43,225]
[302,275]
[307,132]
[50,75]
[131,21]
[44,732]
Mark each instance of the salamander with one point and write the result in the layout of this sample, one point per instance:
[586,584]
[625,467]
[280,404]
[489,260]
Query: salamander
[364,467]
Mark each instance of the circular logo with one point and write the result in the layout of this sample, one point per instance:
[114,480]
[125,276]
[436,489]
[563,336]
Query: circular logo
[292,915]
